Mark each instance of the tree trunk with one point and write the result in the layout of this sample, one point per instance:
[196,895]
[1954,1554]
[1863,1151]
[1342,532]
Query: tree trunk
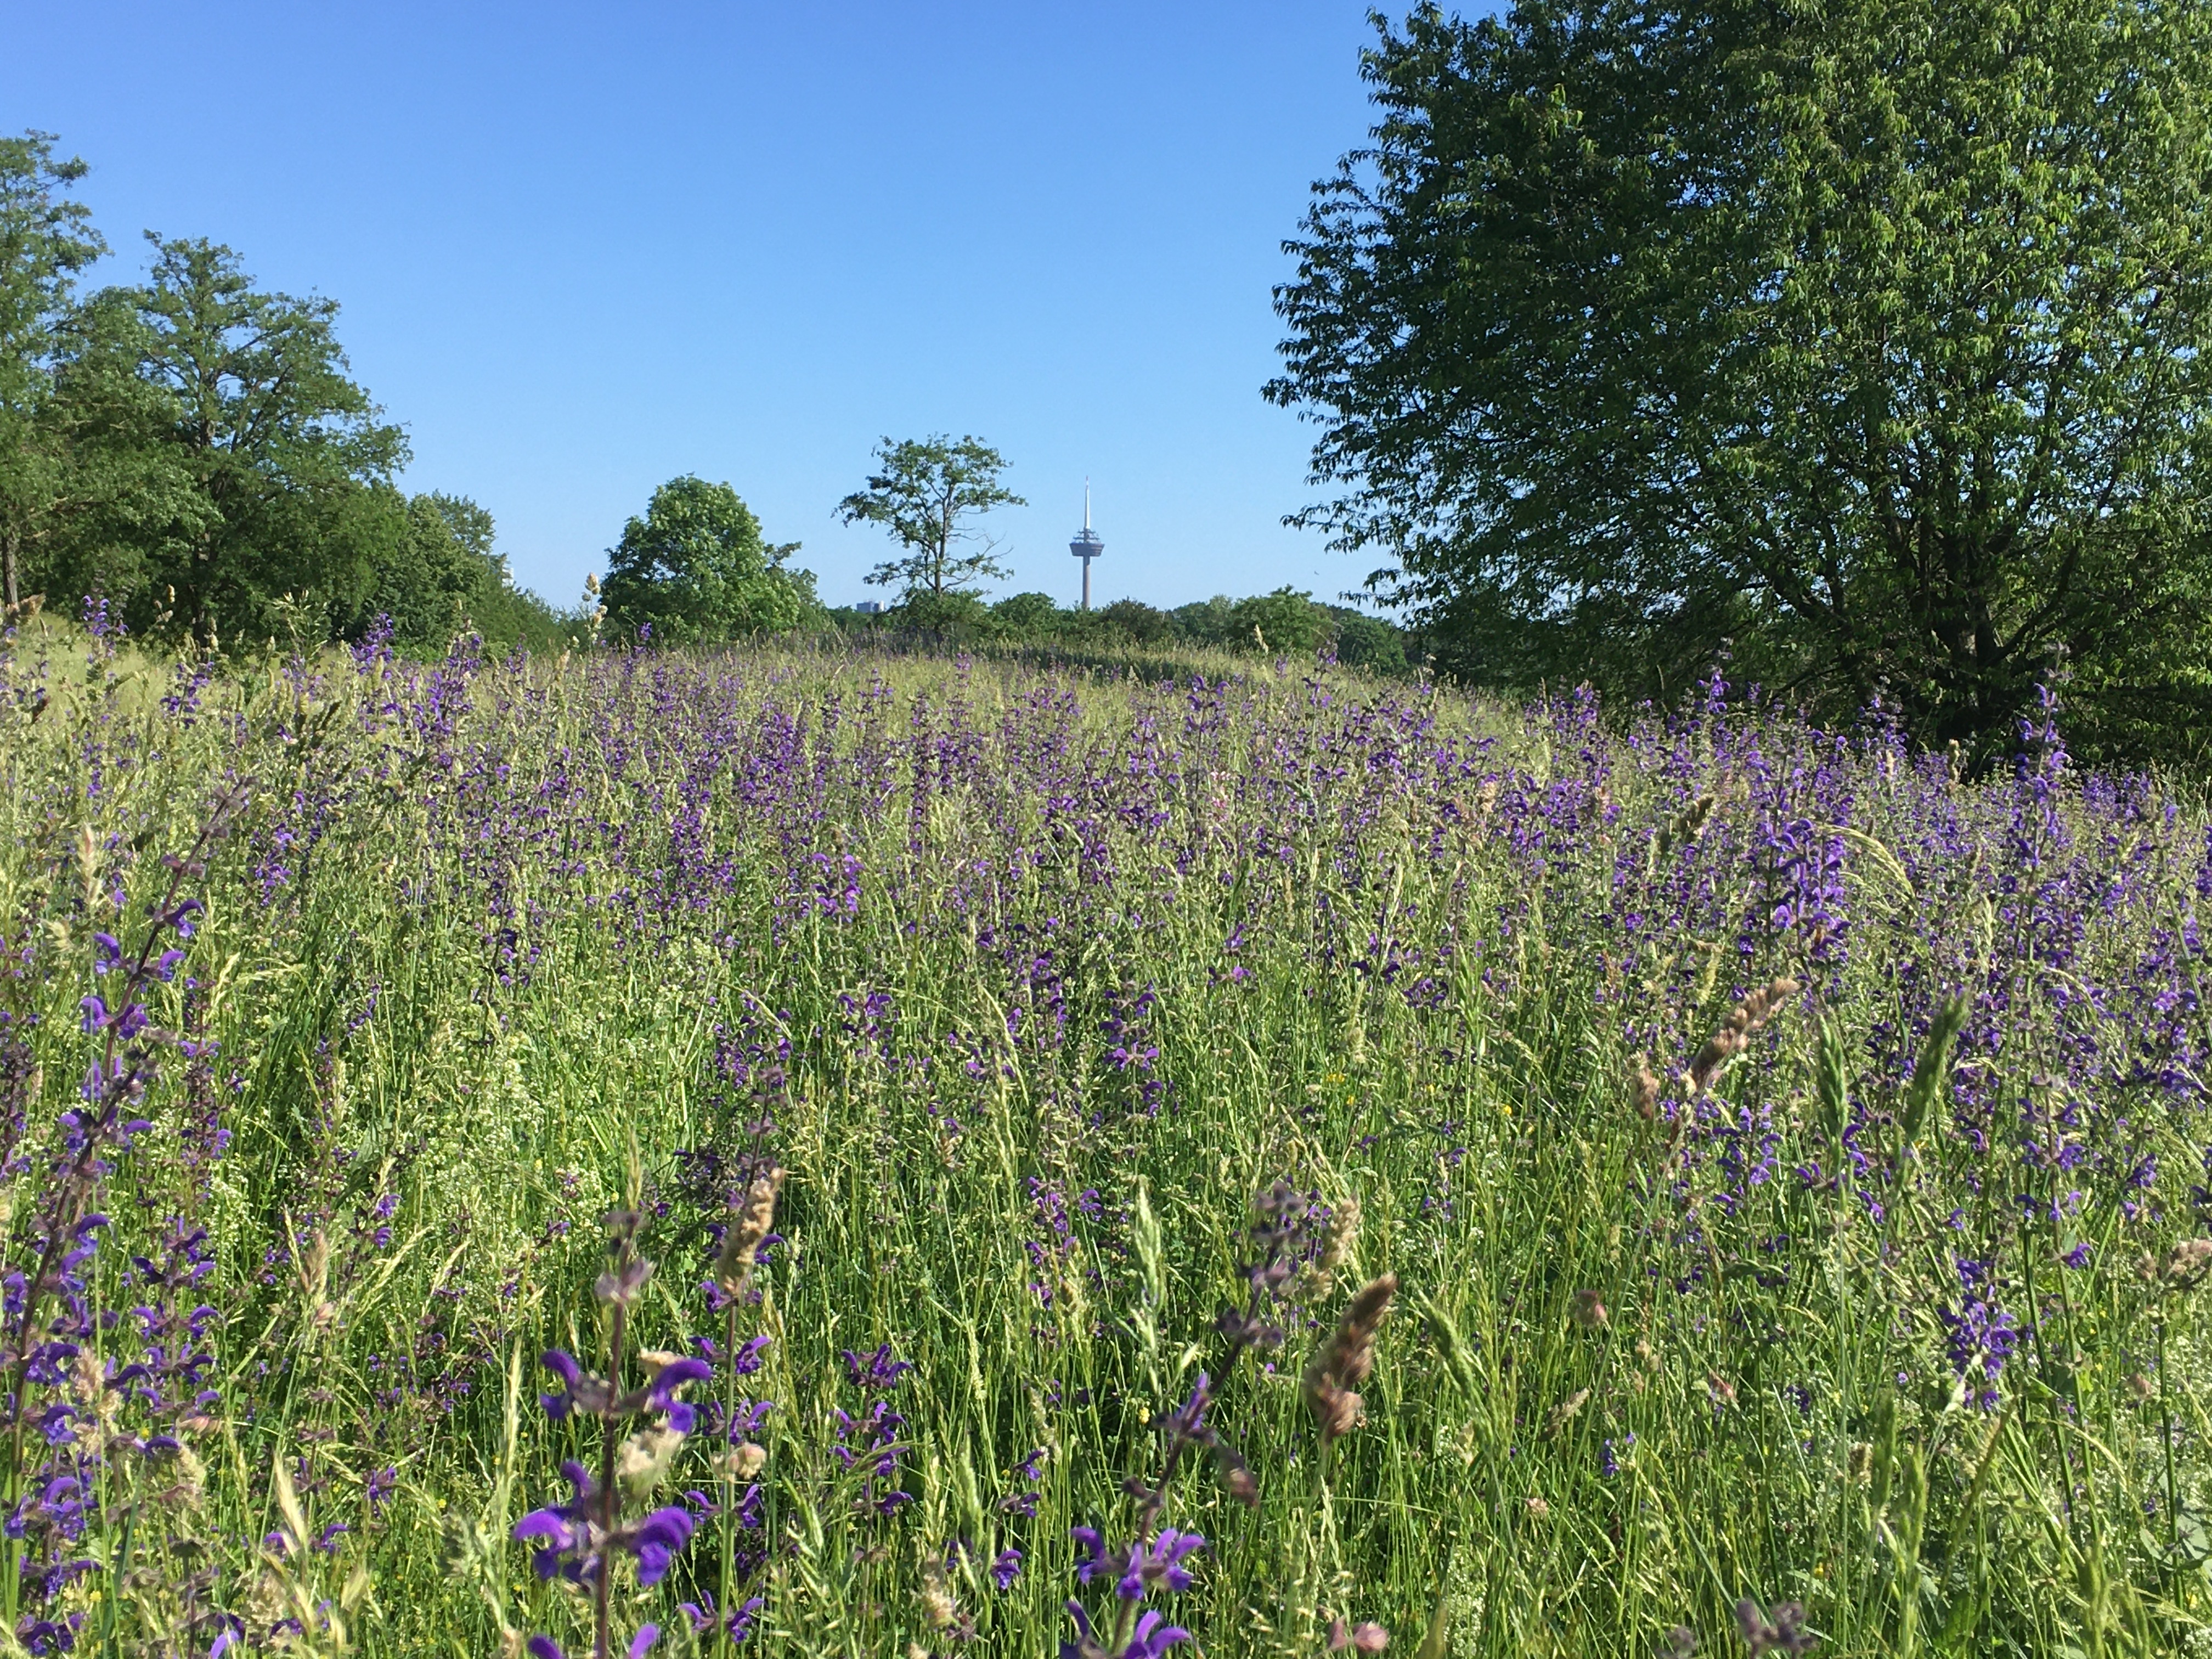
[14,597]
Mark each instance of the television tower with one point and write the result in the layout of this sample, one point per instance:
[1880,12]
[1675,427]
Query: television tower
[1087,545]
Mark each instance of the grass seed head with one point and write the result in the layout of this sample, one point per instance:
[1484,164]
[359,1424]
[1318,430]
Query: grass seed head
[2186,1264]
[1346,1360]
[1643,1089]
[1565,1412]
[748,1230]
[1366,1637]
[1735,1033]
[1340,1239]
[1779,1630]
[643,1461]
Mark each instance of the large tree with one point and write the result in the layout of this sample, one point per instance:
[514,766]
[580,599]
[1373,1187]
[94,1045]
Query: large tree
[46,240]
[694,569]
[287,464]
[442,576]
[925,491]
[1870,335]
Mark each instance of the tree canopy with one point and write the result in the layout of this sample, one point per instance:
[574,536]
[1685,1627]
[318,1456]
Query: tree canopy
[46,240]
[245,403]
[694,570]
[925,492]
[1868,336]
[193,450]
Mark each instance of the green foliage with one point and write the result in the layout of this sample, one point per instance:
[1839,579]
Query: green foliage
[444,578]
[694,570]
[1207,622]
[1870,336]
[1283,621]
[1030,615]
[924,492]
[282,458]
[955,613]
[1133,620]
[193,449]
[1370,642]
[46,240]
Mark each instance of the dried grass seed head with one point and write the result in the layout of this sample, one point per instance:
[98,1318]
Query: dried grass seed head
[748,1230]
[1735,1033]
[1346,1359]
[1565,1412]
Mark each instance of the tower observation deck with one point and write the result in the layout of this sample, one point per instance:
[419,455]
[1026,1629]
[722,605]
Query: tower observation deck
[1087,544]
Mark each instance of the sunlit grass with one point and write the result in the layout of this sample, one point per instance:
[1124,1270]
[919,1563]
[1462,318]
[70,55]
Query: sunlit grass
[1040,953]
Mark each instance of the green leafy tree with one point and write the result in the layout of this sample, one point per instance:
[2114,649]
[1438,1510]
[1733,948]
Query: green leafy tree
[241,396]
[956,613]
[1030,615]
[46,240]
[1870,335]
[924,492]
[1205,622]
[1370,642]
[1133,620]
[442,577]
[1285,620]
[694,570]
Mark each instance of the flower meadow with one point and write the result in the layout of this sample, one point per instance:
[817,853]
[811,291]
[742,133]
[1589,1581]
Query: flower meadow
[804,1152]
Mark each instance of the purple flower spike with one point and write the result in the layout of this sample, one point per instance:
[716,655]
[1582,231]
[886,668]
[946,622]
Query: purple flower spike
[646,1636]
[1086,1640]
[674,1376]
[1092,1560]
[544,1646]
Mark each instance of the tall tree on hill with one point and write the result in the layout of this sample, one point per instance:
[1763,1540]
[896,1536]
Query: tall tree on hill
[288,466]
[925,491]
[1871,335]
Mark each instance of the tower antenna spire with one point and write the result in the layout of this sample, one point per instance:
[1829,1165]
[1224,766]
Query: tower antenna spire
[1087,546]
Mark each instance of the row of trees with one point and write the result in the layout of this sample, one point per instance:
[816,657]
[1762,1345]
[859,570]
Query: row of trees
[695,569]
[193,448]
[1286,621]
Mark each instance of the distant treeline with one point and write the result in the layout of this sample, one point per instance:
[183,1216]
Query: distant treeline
[1284,622]
[189,453]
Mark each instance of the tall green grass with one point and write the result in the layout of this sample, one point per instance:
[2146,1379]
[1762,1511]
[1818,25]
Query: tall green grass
[525,923]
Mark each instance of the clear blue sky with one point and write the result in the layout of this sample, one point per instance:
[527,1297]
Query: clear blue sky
[583,250]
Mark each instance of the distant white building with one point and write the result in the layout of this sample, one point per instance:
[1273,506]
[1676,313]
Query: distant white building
[870,607]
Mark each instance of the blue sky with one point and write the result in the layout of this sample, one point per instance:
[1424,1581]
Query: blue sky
[583,250]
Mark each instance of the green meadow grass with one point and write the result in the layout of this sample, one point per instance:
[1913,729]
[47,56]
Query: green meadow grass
[501,976]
